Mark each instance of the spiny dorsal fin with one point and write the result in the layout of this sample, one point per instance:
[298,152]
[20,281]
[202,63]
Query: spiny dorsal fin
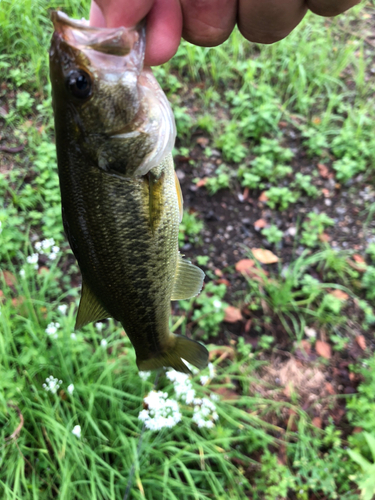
[188,280]
[179,196]
[155,204]
[89,308]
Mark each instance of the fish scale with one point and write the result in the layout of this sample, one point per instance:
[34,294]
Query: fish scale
[121,200]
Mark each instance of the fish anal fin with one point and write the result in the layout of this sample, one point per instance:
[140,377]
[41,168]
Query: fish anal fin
[182,348]
[179,196]
[89,308]
[155,203]
[188,280]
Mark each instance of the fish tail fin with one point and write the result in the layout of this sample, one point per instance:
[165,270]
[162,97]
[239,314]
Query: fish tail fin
[191,351]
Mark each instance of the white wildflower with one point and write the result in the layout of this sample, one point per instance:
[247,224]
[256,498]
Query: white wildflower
[144,375]
[22,273]
[73,336]
[33,259]
[211,373]
[162,412]
[99,326]
[217,304]
[103,343]
[182,386]
[52,384]
[62,308]
[204,413]
[77,431]
[51,330]
[70,389]
[47,247]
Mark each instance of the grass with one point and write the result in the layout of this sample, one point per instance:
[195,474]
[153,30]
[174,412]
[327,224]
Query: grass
[247,99]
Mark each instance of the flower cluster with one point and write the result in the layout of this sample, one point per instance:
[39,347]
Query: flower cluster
[51,330]
[47,247]
[62,308]
[161,412]
[204,412]
[52,384]
[32,259]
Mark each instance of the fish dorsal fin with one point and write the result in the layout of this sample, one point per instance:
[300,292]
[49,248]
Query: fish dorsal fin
[89,308]
[179,196]
[155,204]
[188,280]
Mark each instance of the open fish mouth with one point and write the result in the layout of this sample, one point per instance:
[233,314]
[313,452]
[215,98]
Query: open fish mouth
[117,42]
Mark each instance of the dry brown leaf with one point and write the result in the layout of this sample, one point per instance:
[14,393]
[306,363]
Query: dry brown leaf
[330,389]
[221,352]
[361,341]
[359,259]
[326,192]
[260,224]
[323,170]
[226,393]
[264,256]
[361,268]
[323,349]
[324,237]
[232,314]
[203,141]
[223,281]
[339,294]
[317,422]
[263,197]
[242,266]
[248,325]
[202,182]
[9,278]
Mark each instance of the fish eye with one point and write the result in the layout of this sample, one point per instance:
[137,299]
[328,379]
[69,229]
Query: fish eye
[79,84]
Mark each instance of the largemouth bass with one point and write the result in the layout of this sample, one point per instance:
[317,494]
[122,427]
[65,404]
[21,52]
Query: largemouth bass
[121,199]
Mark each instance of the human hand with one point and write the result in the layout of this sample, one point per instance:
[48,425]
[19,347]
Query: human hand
[209,22]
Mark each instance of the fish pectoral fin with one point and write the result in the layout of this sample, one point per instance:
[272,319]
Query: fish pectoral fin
[155,202]
[89,308]
[188,280]
[182,348]
[179,197]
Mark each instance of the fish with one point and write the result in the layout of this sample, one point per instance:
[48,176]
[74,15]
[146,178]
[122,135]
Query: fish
[121,199]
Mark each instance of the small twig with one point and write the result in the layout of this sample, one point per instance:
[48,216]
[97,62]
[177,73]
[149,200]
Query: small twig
[132,470]
[16,149]
[17,431]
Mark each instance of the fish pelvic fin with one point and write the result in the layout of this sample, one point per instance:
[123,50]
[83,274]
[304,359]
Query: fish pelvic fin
[182,348]
[89,308]
[155,204]
[188,280]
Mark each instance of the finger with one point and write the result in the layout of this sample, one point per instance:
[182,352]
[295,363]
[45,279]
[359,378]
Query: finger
[269,21]
[119,12]
[330,8]
[164,27]
[208,22]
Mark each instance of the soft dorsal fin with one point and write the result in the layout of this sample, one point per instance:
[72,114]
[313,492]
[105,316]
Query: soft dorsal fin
[179,196]
[89,308]
[188,280]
